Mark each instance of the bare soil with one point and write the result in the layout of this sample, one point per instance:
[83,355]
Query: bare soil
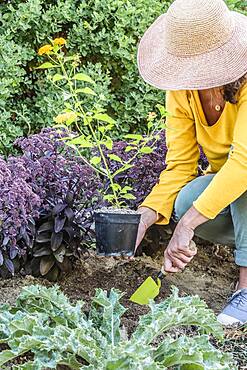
[212,275]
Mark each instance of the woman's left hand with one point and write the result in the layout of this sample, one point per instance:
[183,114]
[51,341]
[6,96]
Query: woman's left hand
[177,254]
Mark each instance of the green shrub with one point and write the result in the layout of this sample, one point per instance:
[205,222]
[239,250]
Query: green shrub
[103,32]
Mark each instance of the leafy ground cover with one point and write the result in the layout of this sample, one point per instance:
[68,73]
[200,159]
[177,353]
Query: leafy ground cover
[55,331]
[211,275]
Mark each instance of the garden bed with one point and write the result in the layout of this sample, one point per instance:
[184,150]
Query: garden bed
[211,275]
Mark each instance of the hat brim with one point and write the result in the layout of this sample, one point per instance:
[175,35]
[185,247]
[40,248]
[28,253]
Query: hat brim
[218,67]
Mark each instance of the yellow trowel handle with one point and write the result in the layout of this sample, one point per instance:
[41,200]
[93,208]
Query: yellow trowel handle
[163,273]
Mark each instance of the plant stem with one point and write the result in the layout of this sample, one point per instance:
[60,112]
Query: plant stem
[108,172]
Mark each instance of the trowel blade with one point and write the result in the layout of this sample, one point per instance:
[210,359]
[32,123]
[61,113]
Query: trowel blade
[149,289]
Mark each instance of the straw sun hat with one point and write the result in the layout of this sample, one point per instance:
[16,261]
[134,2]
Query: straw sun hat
[197,44]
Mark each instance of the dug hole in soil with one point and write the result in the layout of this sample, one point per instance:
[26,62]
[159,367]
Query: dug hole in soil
[212,275]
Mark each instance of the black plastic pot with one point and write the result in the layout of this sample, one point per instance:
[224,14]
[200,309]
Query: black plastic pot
[116,233]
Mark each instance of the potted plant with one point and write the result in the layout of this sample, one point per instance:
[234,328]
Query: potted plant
[91,136]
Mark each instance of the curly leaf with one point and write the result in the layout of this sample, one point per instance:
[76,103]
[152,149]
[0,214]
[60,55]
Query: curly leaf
[106,312]
[192,353]
[177,311]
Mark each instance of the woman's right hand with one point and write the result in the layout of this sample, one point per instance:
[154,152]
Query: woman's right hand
[148,218]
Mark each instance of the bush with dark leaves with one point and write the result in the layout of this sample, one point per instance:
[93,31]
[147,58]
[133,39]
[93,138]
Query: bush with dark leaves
[48,196]
[19,206]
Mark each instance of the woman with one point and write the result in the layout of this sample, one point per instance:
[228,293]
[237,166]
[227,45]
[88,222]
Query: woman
[198,52]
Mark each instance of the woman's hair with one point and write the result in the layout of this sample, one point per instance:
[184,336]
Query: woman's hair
[230,91]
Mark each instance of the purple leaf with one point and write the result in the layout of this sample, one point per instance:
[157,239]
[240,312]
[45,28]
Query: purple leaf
[58,209]
[43,237]
[10,266]
[70,231]
[1,258]
[56,240]
[27,239]
[6,240]
[69,198]
[45,227]
[69,214]
[59,224]
[43,251]
[13,251]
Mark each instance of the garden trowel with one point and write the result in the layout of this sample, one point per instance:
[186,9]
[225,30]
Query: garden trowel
[150,288]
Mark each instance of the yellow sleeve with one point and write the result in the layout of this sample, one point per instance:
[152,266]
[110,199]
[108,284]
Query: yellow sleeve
[182,156]
[231,181]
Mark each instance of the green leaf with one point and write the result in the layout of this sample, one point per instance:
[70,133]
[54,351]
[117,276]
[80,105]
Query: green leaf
[134,137]
[116,187]
[26,366]
[82,77]
[177,311]
[126,189]
[194,353]
[104,117]
[95,160]
[86,90]
[106,312]
[126,167]
[114,157]
[105,128]
[109,197]
[146,150]
[162,110]
[47,65]
[129,148]
[57,331]
[6,356]
[128,196]
[57,77]
[108,144]
[81,141]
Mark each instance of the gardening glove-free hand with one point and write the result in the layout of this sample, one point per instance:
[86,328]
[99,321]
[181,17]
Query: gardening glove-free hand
[177,255]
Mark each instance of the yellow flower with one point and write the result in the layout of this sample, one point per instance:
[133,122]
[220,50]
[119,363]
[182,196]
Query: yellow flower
[64,117]
[59,41]
[45,49]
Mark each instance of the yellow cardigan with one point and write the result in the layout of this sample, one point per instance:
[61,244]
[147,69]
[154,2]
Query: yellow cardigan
[225,145]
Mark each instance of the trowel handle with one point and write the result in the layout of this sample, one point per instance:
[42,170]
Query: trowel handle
[163,273]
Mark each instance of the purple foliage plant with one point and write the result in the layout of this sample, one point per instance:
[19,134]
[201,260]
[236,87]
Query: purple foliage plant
[46,177]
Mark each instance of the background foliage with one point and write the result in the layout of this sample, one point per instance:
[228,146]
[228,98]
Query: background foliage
[104,32]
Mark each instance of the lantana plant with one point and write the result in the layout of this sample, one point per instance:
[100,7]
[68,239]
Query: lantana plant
[95,128]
